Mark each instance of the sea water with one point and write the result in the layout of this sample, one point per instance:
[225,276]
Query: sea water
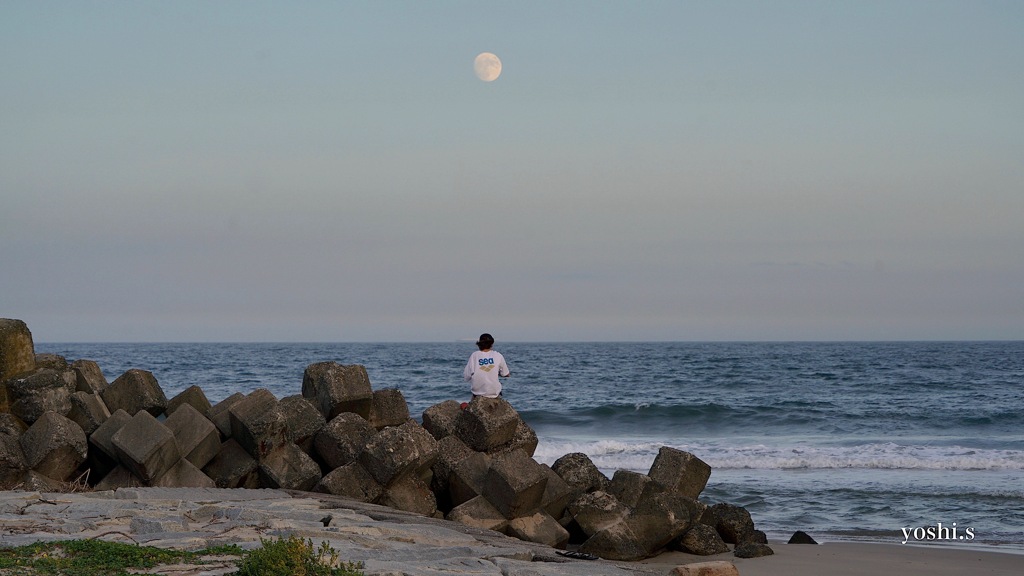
[866,441]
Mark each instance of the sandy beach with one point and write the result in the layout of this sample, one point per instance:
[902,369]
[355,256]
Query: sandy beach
[393,542]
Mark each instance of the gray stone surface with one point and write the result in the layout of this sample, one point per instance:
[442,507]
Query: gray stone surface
[198,439]
[88,411]
[680,471]
[342,439]
[233,467]
[257,424]
[515,484]
[486,423]
[193,396]
[88,376]
[398,451]
[17,352]
[439,419]
[388,408]
[42,390]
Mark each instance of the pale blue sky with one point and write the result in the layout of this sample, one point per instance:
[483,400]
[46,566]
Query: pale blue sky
[334,171]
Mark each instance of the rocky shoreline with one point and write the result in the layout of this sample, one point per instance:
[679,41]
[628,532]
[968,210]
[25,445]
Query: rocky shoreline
[471,463]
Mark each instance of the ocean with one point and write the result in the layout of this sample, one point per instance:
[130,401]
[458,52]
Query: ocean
[916,442]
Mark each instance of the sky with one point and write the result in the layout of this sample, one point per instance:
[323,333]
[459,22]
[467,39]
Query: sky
[677,171]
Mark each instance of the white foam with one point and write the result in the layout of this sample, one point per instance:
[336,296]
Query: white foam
[639,455]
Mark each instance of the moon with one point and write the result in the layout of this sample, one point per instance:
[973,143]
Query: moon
[487,66]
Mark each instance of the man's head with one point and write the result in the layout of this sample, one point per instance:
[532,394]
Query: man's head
[485,341]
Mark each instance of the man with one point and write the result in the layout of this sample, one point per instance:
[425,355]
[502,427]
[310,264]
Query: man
[484,367]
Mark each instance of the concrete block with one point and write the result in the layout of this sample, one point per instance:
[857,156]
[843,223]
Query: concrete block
[397,451]
[450,451]
[184,474]
[479,513]
[556,494]
[388,408]
[233,467]
[440,419]
[221,417]
[133,391]
[257,424]
[88,411]
[289,468]
[54,446]
[17,352]
[515,484]
[486,423]
[88,376]
[596,511]
[342,439]
[198,439]
[194,397]
[119,477]
[351,481]
[12,457]
[524,439]
[539,527]
[580,473]
[627,486]
[146,447]
[468,478]
[102,437]
[616,542]
[42,390]
[410,494]
[680,472]
[335,388]
[302,421]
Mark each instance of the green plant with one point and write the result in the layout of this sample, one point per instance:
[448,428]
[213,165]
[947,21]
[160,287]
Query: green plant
[94,557]
[294,556]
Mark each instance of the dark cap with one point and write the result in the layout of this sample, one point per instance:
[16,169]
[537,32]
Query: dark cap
[485,341]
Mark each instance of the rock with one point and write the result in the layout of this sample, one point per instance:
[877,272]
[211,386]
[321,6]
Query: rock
[539,527]
[33,481]
[580,473]
[752,550]
[468,478]
[88,411]
[410,494]
[680,471]
[46,361]
[54,446]
[88,376]
[702,540]
[440,419]
[479,513]
[732,522]
[351,481]
[133,391]
[257,424]
[146,447]
[486,423]
[336,388]
[616,542]
[302,421]
[289,468]
[198,439]
[515,484]
[450,451]
[388,408]
[556,494]
[43,390]
[102,437]
[801,537]
[184,474]
[524,439]
[716,568]
[194,397]
[12,457]
[397,451]
[627,486]
[596,511]
[342,439]
[220,413]
[119,477]
[17,352]
[660,518]
[233,467]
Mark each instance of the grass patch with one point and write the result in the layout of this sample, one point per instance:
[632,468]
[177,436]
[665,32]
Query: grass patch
[290,556]
[95,557]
